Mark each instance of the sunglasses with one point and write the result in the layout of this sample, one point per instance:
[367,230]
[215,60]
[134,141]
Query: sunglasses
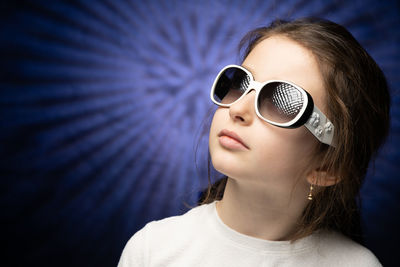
[280,103]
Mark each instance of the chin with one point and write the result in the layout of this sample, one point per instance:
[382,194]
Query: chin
[222,164]
[229,167]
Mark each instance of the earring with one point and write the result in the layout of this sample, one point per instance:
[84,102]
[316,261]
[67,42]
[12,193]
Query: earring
[310,194]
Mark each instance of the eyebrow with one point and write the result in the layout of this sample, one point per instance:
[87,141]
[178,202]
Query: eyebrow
[247,68]
[250,70]
[252,73]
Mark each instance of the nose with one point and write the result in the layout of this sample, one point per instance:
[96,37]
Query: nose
[243,111]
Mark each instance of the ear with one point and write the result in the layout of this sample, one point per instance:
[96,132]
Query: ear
[321,178]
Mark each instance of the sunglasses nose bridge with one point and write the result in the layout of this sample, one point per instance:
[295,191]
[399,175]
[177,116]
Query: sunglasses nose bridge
[254,85]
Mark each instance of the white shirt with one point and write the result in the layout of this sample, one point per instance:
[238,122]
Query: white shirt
[200,238]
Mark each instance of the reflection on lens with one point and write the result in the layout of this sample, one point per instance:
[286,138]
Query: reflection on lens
[280,102]
[232,83]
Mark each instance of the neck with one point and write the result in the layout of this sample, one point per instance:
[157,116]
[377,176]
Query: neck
[260,211]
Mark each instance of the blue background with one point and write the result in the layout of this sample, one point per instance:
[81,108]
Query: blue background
[104,110]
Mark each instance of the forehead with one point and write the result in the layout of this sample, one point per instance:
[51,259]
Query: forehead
[281,58]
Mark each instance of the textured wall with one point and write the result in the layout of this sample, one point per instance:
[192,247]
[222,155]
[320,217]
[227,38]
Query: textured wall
[102,105]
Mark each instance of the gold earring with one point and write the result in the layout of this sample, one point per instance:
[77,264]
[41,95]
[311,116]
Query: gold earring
[310,194]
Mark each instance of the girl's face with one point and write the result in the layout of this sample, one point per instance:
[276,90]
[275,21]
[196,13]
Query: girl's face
[269,153]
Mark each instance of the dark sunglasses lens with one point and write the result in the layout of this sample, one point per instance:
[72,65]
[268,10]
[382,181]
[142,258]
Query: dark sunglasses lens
[231,85]
[280,102]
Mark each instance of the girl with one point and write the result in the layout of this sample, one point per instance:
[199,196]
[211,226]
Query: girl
[296,127]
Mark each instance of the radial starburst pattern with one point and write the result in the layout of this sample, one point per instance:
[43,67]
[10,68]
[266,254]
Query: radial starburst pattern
[103,104]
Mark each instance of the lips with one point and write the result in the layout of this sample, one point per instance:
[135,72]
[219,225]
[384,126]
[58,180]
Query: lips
[232,135]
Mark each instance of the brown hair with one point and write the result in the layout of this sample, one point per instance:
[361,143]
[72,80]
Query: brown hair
[358,104]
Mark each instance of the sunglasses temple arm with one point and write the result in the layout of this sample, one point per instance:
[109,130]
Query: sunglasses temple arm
[322,128]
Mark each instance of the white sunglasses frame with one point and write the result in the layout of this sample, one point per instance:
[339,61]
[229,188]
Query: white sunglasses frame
[309,115]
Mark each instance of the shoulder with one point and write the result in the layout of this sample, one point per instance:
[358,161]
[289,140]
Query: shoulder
[189,219]
[340,249]
[159,235]
[183,223]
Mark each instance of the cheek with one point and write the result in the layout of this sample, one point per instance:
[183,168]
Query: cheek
[212,139]
[284,152]
[215,127]
[220,159]
[232,164]
[275,152]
